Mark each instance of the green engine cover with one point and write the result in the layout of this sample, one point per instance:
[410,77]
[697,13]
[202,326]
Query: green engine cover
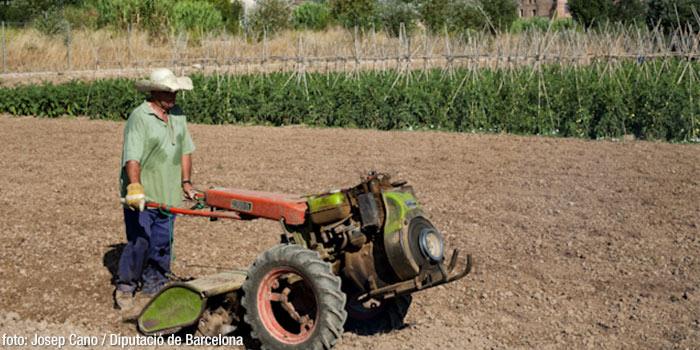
[399,204]
[400,208]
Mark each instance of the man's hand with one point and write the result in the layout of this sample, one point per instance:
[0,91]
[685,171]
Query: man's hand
[188,190]
[135,198]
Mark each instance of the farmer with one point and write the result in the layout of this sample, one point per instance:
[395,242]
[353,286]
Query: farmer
[156,163]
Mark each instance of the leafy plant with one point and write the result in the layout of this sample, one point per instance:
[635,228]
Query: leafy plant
[653,100]
[534,23]
[195,17]
[434,14]
[312,15]
[465,14]
[270,15]
[501,13]
[392,13]
[152,15]
[588,12]
[664,11]
[354,13]
[630,11]
[542,24]
[50,23]
[231,13]
[81,16]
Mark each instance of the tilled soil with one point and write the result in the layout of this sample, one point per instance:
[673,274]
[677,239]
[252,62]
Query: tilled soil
[576,244]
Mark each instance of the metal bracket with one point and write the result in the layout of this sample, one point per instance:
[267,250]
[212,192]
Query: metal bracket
[424,280]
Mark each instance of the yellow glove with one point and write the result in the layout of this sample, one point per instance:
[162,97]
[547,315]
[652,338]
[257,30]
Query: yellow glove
[135,198]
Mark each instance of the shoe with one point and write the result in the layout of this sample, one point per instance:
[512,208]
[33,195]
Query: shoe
[124,300]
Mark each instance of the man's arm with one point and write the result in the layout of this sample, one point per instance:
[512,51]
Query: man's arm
[186,169]
[133,171]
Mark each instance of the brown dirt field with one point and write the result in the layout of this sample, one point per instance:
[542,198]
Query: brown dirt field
[576,244]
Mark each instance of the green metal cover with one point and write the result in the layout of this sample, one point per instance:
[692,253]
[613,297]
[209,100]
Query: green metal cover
[177,306]
[400,208]
[398,205]
[180,305]
[325,202]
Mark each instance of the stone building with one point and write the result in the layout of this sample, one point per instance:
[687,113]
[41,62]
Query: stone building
[544,8]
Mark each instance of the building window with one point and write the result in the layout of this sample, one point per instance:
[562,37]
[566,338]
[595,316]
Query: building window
[522,13]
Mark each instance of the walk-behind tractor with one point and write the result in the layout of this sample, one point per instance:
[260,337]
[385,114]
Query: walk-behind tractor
[349,259]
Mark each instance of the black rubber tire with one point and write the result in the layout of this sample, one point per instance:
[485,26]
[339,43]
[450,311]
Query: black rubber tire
[388,317]
[318,279]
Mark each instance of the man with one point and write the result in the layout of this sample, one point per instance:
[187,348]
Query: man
[156,163]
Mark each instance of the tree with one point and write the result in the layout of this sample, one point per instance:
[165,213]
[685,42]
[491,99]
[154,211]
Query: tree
[465,14]
[231,12]
[353,13]
[25,10]
[434,13]
[271,15]
[391,13]
[588,12]
[630,11]
[312,15]
[502,13]
[664,11]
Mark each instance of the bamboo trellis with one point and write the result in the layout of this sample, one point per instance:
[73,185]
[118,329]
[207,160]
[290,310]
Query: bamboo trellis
[354,50]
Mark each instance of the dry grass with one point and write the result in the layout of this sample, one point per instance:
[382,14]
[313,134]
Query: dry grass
[27,50]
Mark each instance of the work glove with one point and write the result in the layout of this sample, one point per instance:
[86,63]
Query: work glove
[135,198]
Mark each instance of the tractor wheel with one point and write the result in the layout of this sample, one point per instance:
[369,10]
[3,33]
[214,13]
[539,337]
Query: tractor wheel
[375,316]
[293,300]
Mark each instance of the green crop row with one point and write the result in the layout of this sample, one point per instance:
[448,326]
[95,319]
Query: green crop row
[653,100]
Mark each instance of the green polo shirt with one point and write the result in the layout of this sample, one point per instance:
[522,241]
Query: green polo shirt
[158,148]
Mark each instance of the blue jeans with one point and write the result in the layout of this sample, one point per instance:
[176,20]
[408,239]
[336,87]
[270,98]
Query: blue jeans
[146,256]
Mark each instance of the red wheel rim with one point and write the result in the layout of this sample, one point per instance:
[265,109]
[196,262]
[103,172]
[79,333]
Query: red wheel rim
[287,305]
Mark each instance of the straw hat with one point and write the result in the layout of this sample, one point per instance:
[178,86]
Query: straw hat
[162,79]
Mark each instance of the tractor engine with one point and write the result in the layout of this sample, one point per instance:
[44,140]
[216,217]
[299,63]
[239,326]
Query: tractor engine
[378,240]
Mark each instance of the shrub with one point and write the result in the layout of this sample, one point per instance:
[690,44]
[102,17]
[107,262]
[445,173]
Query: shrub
[542,24]
[588,12]
[14,12]
[561,24]
[151,15]
[79,17]
[50,23]
[434,14]
[27,10]
[354,13]
[270,15]
[630,11]
[195,16]
[312,15]
[534,23]
[463,15]
[231,13]
[391,13]
[502,13]
[664,11]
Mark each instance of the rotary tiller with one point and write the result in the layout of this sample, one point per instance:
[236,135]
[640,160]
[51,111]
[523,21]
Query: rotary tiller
[348,260]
